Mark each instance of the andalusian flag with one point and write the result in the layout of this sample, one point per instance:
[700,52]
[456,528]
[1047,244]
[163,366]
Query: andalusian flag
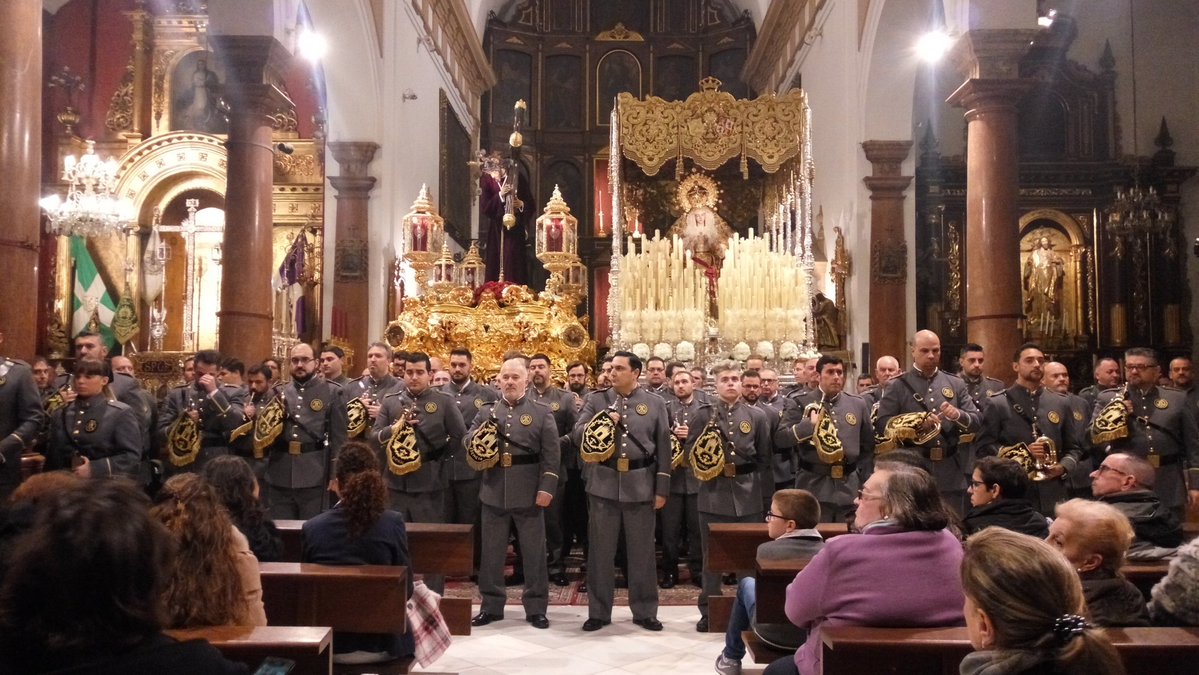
[91,295]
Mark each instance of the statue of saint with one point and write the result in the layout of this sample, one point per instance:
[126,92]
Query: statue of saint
[828,323]
[1044,272]
[702,230]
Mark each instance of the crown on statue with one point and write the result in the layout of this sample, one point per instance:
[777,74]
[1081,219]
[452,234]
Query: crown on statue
[710,84]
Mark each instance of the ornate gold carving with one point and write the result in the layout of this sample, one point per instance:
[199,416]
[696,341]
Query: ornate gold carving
[295,164]
[842,267]
[953,294]
[120,109]
[711,127]
[619,34]
[161,61]
[285,121]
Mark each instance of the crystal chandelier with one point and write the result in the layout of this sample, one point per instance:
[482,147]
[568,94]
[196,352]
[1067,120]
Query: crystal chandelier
[91,208]
[1137,213]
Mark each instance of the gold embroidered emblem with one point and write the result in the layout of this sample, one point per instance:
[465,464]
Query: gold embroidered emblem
[478,403]
[316,405]
[1077,416]
[1161,404]
[851,419]
[946,392]
[1054,417]
[526,419]
[91,426]
[745,428]
[430,407]
[642,409]
[555,406]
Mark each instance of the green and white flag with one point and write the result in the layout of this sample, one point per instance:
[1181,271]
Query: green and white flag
[91,295]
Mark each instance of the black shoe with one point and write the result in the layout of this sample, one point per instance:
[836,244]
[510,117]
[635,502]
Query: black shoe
[484,618]
[583,586]
[559,579]
[594,624]
[538,620]
[701,626]
[730,579]
[649,624]
[668,581]
[515,580]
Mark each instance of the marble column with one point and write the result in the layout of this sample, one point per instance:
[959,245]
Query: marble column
[248,264]
[20,164]
[990,60]
[888,250]
[351,297]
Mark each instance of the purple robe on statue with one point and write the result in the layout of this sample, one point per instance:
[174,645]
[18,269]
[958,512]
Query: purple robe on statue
[491,214]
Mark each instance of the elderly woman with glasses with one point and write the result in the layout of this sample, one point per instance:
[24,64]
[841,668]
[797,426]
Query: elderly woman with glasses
[901,571]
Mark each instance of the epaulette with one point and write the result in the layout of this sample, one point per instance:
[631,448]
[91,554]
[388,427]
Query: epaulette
[394,393]
[851,394]
[543,405]
[988,377]
[118,405]
[335,384]
[1001,392]
[1168,387]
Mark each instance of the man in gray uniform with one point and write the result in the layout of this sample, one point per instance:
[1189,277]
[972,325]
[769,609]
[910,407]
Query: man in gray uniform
[886,368]
[93,435]
[516,492]
[655,377]
[333,364]
[21,420]
[680,516]
[734,496]
[1107,376]
[562,404]
[625,490]
[462,500]
[314,429]
[979,386]
[1181,376]
[1029,413]
[376,383]
[420,496]
[1078,478]
[834,481]
[945,409]
[218,408]
[1161,430]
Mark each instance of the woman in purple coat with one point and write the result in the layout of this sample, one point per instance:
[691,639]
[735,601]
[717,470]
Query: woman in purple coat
[901,571]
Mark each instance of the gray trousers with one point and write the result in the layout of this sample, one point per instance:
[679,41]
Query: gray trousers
[530,533]
[603,531]
[462,507]
[712,579]
[422,507]
[680,517]
[295,503]
[554,521]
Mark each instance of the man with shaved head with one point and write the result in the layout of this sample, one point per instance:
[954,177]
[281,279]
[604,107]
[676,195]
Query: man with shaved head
[1078,477]
[1126,482]
[946,415]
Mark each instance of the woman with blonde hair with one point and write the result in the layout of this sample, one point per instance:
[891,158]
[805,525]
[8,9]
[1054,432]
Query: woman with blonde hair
[1094,537]
[1024,611]
[214,579]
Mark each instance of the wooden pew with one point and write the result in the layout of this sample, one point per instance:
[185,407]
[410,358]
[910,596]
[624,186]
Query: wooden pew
[733,547]
[436,548]
[853,650]
[1144,575]
[311,648]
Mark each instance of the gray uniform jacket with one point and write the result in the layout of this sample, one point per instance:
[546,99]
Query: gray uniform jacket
[746,432]
[1161,424]
[913,392]
[1079,476]
[439,432]
[851,415]
[21,416]
[562,404]
[1009,416]
[221,412]
[981,388]
[642,437]
[470,399]
[526,433]
[682,479]
[376,389]
[314,429]
[104,431]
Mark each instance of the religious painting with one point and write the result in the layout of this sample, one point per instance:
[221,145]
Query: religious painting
[514,75]
[1051,253]
[563,76]
[726,66]
[196,90]
[675,77]
[350,260]
[618,71]
[453,199]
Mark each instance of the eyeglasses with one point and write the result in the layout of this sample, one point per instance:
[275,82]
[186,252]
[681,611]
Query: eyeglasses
[1139,366]
[977,483]
[301,360]
[863,497]
[770,515]
[1104,468]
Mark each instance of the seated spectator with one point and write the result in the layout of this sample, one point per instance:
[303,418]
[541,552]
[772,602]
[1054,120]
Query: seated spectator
[16,517]
[214,579]
[1174,601]
[791,524]
[360,530]
[237,488]
[997,490]
[1094,537]
[84,591]
[1126,482]
[1024,611]
[900,572]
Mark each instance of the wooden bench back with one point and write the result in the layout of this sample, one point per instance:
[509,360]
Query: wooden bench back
[353,598]
[436,548]
[311,648]
[733,547]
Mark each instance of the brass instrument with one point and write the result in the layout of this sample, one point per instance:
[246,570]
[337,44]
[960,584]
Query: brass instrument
[56,401]
[268,424]
[1112,422]
[906,427]
[403,455]
[825,439]
[707,455]
[599,438]
[483,450]
[1022,455]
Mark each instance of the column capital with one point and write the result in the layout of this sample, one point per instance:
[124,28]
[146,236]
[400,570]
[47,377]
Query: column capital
[982,96]
[353,156]
[992,53]
[886,156]
[352,185]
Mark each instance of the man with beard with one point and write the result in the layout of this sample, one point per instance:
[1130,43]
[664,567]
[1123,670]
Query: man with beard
[576,382]
[562,405]
[1182,379]
[1041,419]
[376,383]
[971,371]
[462,499]
[655,377]
[216,407]
[1078,478]
[258,395]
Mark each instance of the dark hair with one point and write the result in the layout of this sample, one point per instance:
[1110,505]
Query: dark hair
[87,334]
[659,359]
[210,356]
[419,357]
[1106,358]
[539,357]
[400,354]
[751,372]
[88,576]
[39,359]
[970,347]
[634,360]
[827,360]
[234,366]
[672,367]
[903,457]
[577,364]
[233,480]
[334,350]
[798,505]
[92,367]
[361,486]
[462,351]
[1006,473]
[1024,347]
[911,498]
[1143,352]
[260,369]
[607,358]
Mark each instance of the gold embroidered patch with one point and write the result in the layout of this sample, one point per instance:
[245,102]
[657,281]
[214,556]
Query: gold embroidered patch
[642,409]
[526,419]
[91,426]
[1077,416]
[745,428]
[478,403]
[851,419]
[946,392]
[316,405]
[1054,417]
[1161,404]
[430,407]
[555,406]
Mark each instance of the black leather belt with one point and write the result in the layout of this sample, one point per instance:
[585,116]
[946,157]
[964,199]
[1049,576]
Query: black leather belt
[826,469]
[634,464]
[518,460]
[742,469]
[434,455]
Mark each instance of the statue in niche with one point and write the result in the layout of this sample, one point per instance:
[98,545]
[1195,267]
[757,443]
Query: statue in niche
[197,99]
[827,318]
[1043,275]
[700,227]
